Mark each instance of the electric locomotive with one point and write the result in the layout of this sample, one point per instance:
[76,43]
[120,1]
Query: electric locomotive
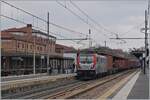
[91,65]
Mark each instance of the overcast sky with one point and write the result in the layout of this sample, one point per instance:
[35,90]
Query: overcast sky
[118,16]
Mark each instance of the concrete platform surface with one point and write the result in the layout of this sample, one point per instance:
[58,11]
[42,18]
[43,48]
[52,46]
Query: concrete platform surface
[140,89]
[20,77]
[33,81]
[136,88]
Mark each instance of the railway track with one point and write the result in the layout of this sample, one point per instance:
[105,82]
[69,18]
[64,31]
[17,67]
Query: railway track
[39,89]
[70,90]
[100,91]
[82,88]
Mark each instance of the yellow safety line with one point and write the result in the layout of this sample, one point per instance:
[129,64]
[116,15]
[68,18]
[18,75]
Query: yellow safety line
[115,87]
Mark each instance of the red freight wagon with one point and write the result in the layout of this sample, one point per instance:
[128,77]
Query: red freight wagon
[120,63]
[127,64]
[109,63]
[133,63]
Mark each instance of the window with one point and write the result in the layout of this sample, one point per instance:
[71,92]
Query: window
[22,45]
[39,35]
[18,45]
[40,48]
[27,46]
[86,59]
[45,48]
[18,33]
[31,46]
[6,40]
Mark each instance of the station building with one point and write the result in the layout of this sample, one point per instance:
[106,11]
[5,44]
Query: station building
[20,46]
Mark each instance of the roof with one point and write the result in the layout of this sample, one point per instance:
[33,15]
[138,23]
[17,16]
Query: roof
[66,48]
[42,33]
[26,29]
[108,51]
[28,35]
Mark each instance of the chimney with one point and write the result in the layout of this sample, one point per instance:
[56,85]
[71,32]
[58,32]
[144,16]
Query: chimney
[29,30]
[29,25]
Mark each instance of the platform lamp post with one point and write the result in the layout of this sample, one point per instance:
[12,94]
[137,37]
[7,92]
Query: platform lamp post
[145,29]
[48,41]
[34,57]
[34,48]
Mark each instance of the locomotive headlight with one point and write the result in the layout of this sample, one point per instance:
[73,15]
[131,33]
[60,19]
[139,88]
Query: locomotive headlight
[92,66]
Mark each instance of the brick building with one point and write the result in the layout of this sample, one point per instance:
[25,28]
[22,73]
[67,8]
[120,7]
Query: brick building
[19,46]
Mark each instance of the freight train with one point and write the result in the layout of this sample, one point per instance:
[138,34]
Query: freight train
[95,65]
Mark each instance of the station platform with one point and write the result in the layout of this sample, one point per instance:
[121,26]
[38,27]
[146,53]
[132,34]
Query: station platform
[140,89]
[135,86]
[25,81]
[20,77]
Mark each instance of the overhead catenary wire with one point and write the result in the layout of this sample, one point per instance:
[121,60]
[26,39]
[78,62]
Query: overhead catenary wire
[87,21]
[64,28]
[72,12]
[76,6]
[123,39]
[79,17]
[91,18]
[34,16]
[22,22]
[130,38]
[134,27]
[104,28]
[59,26]
[46,21]
[99,25]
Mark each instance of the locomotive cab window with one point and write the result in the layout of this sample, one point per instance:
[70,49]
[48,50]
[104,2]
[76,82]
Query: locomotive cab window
[86,59]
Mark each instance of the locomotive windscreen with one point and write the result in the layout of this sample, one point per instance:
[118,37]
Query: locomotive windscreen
[86,59]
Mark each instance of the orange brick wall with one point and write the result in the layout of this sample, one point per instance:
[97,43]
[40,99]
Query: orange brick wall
[8,45]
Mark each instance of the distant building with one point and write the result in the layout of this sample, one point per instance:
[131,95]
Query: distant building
[65,61]
[69,52]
